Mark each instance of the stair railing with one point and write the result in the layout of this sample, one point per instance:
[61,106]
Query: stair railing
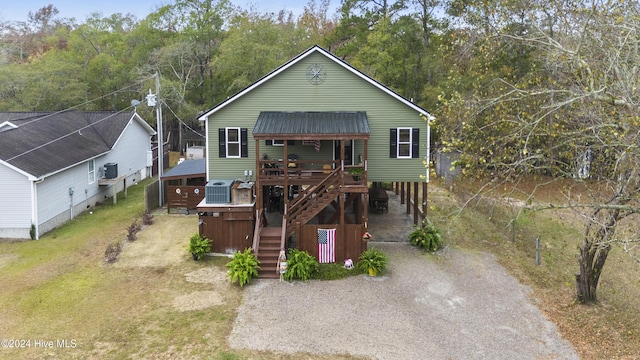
[256,231]
[296,208]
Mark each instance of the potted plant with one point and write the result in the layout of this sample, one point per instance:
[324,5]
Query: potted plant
[198,246]
[372,261]
[356,172]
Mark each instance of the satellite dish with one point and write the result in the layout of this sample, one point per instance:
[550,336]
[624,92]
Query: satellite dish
[135,103]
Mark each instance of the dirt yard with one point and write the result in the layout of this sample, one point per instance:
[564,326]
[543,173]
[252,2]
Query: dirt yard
[401,302]
[164,245]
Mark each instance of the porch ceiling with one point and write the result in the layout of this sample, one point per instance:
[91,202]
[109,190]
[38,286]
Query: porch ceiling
[326,125]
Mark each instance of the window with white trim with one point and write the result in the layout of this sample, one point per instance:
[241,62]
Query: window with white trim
[92,171]
[275,142]
[233,142]
[404,143]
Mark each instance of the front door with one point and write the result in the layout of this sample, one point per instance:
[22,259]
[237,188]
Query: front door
[348,151]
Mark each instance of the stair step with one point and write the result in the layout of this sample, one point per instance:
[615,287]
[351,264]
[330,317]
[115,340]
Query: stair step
[266,275]
[271,231]
[268,255]
[269,246]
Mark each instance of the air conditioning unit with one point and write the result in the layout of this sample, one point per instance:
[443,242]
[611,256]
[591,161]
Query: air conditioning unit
[110,170]
[218,191]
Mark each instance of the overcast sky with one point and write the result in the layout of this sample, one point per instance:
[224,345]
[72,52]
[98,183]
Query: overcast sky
[17,10]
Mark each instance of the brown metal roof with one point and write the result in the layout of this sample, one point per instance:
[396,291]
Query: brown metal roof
[300,125]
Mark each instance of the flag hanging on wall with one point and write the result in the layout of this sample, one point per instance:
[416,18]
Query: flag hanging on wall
[326,245]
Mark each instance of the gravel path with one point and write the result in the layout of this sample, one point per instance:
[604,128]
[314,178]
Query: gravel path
[460,305]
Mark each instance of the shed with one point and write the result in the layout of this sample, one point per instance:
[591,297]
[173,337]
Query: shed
[185,184]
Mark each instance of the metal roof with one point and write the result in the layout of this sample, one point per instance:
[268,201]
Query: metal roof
[186,169]
[300,125]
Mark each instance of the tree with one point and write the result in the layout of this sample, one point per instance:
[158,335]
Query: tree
[578,95]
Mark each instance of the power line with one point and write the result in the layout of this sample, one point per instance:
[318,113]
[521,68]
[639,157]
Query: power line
[88,102]
[80,129]
[182,122]
[67,135]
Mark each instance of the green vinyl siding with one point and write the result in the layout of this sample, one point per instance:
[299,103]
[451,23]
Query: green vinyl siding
[341,91]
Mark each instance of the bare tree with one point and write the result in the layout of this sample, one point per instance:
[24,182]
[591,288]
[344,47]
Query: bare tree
[580,97]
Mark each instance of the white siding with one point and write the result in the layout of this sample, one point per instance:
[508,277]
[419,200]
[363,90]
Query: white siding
[15,204]
[54,200]
[55,204]
[130,153]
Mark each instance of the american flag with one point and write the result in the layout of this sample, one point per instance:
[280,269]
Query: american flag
[326,245]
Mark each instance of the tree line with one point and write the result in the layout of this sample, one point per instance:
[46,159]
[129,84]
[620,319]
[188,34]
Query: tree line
[518,87]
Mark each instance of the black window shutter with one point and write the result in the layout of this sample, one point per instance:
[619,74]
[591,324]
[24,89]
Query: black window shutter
[269,142]
[244,143]
[222,143]
[415,143]
[393,143]
[291,142]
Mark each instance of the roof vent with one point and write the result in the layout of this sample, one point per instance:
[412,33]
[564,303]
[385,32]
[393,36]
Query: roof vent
[7,125]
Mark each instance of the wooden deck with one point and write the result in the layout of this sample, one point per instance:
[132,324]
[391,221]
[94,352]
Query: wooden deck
[306,173]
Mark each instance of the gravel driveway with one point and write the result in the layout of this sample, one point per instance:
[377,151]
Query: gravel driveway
[460,305]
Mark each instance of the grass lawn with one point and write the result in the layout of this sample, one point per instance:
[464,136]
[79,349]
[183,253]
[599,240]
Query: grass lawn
[61,300]
[59,290]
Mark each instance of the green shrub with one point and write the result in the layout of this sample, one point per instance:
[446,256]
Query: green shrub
[373,261]
[334,271]
[198,246]
[427,237]
[300,265]
[243,267]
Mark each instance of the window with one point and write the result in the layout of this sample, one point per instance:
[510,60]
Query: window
[92,171]
[404,143]
[232,143]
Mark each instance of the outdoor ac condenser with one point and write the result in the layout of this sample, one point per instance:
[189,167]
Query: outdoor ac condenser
[218,191]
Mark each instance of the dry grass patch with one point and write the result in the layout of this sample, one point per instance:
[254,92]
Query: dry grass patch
[608,330]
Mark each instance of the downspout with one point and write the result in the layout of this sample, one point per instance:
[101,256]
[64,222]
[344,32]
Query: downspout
[34,206]
[206,150]
[426,194]
[71,203]
[428,147]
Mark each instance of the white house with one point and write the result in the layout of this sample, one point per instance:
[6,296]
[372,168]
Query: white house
[55,165]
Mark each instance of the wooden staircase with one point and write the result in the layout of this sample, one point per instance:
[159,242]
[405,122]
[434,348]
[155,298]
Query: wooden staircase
[306,206]
[268,251]
[270,240]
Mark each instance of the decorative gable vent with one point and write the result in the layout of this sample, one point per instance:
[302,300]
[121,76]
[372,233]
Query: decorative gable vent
[218,191]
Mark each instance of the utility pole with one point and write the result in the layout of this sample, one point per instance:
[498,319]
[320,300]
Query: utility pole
[154,100]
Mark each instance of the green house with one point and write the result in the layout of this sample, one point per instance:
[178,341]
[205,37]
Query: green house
[308,139]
